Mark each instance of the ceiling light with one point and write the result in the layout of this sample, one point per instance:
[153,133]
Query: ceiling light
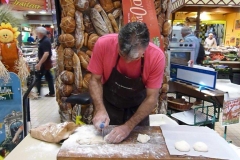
[229,5]
[31,12]
[42,12]
[51,26]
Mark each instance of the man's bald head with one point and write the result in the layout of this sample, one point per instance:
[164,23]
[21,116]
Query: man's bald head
[186,31]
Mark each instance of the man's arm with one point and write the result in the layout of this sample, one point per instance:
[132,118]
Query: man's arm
[96,92]
[121,132]
[42,60]
[144,109]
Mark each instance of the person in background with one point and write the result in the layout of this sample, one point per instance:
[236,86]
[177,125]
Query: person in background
[45,63]
[36,39]
[126,78]
[210,41]
[174,38]
[188,36]
[30,38]
[209,30]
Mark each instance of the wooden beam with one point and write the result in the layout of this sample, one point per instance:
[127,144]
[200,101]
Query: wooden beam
[209,9]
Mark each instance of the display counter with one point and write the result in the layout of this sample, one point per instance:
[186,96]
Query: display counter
[232,64]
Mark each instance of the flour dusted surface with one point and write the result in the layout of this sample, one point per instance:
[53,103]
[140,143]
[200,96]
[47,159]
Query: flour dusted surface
[129,148]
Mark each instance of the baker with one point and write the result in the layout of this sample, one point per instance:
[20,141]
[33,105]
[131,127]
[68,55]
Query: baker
[210,41]
[127,72]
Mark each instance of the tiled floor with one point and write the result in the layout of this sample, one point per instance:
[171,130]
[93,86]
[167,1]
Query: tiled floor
[45,110]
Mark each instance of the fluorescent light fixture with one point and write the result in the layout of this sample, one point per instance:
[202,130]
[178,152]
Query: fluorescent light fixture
[42,12]
[229,5]
[202,24]
[31,12]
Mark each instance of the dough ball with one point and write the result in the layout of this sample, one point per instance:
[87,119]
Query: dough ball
[143,138]
[182,146]
[200,147]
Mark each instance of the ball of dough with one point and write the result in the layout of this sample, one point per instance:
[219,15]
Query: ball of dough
[200,147]
[143,138]
[182,146]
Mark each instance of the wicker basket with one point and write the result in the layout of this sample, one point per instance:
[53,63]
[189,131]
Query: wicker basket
[179,104]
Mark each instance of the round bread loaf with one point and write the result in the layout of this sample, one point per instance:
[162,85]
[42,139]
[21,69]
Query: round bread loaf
[165,88]
[86,80]
[65,90]
[67,40]
[92,40]
[68,53]
[68,24]
[167,29]
[67,77]
[68,64]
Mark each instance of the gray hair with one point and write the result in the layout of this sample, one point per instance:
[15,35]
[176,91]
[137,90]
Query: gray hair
[186,30]
[41,30]
[131,36]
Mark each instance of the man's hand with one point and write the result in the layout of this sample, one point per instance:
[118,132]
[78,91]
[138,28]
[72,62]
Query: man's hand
[38,66]
[118,134]
[101,116]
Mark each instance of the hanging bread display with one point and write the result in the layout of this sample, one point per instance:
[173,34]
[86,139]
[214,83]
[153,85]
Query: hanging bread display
[67,40]
[93,19]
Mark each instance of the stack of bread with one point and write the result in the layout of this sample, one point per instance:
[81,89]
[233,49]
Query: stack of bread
[82,23]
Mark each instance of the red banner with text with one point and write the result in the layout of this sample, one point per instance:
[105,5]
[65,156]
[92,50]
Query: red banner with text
[27,5]
[143,11]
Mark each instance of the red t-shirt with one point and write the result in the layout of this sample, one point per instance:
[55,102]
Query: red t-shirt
[104,58]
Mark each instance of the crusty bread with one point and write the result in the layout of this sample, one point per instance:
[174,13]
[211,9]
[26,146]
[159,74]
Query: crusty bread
[107,5]
[77,72]
[113,22]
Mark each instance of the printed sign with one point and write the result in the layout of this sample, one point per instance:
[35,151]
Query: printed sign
[29,5]
[231,112]
[6,93]
[143,11]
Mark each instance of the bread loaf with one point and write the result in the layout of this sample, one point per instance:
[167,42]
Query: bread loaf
[77,72]
[67,40]
[89,53]
[64,3]
[88,24]
[166,43]
[86,80]
[60,59]
[68,24]
[84,59]
[105,18]
[165,88]
[85,39]
[68,10]
[79,36]
[65,90]
[161,20]
[167,29]
[92,40]
[67,77]
[68,64]
[158,10]
[98,23]
[113,22]
[107,5]
[164,5]
[92,3]
[58,84]
[68,53]
[169,10]
[117,4]
[81,5]
[116,13]
[157,4]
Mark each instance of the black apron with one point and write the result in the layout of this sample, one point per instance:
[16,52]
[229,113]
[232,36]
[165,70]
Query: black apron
[123,95]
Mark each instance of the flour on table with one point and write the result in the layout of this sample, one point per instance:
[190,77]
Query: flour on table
[200,147]
[182,146]
[143,138]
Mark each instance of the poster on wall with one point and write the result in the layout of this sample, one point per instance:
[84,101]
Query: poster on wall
[231,112]
[237,24]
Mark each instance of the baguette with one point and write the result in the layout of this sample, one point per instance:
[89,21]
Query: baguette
[158,10]
[106,20]
[169,10]
[157,4]
[85,39]
[113,22]
[164,5]
[88,24]
[161,20]
[77,72]
[60,59]
[98,22]
[84,59]
[116,13]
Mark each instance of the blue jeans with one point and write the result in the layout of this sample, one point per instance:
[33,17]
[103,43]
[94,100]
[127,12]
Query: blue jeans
[49,79]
